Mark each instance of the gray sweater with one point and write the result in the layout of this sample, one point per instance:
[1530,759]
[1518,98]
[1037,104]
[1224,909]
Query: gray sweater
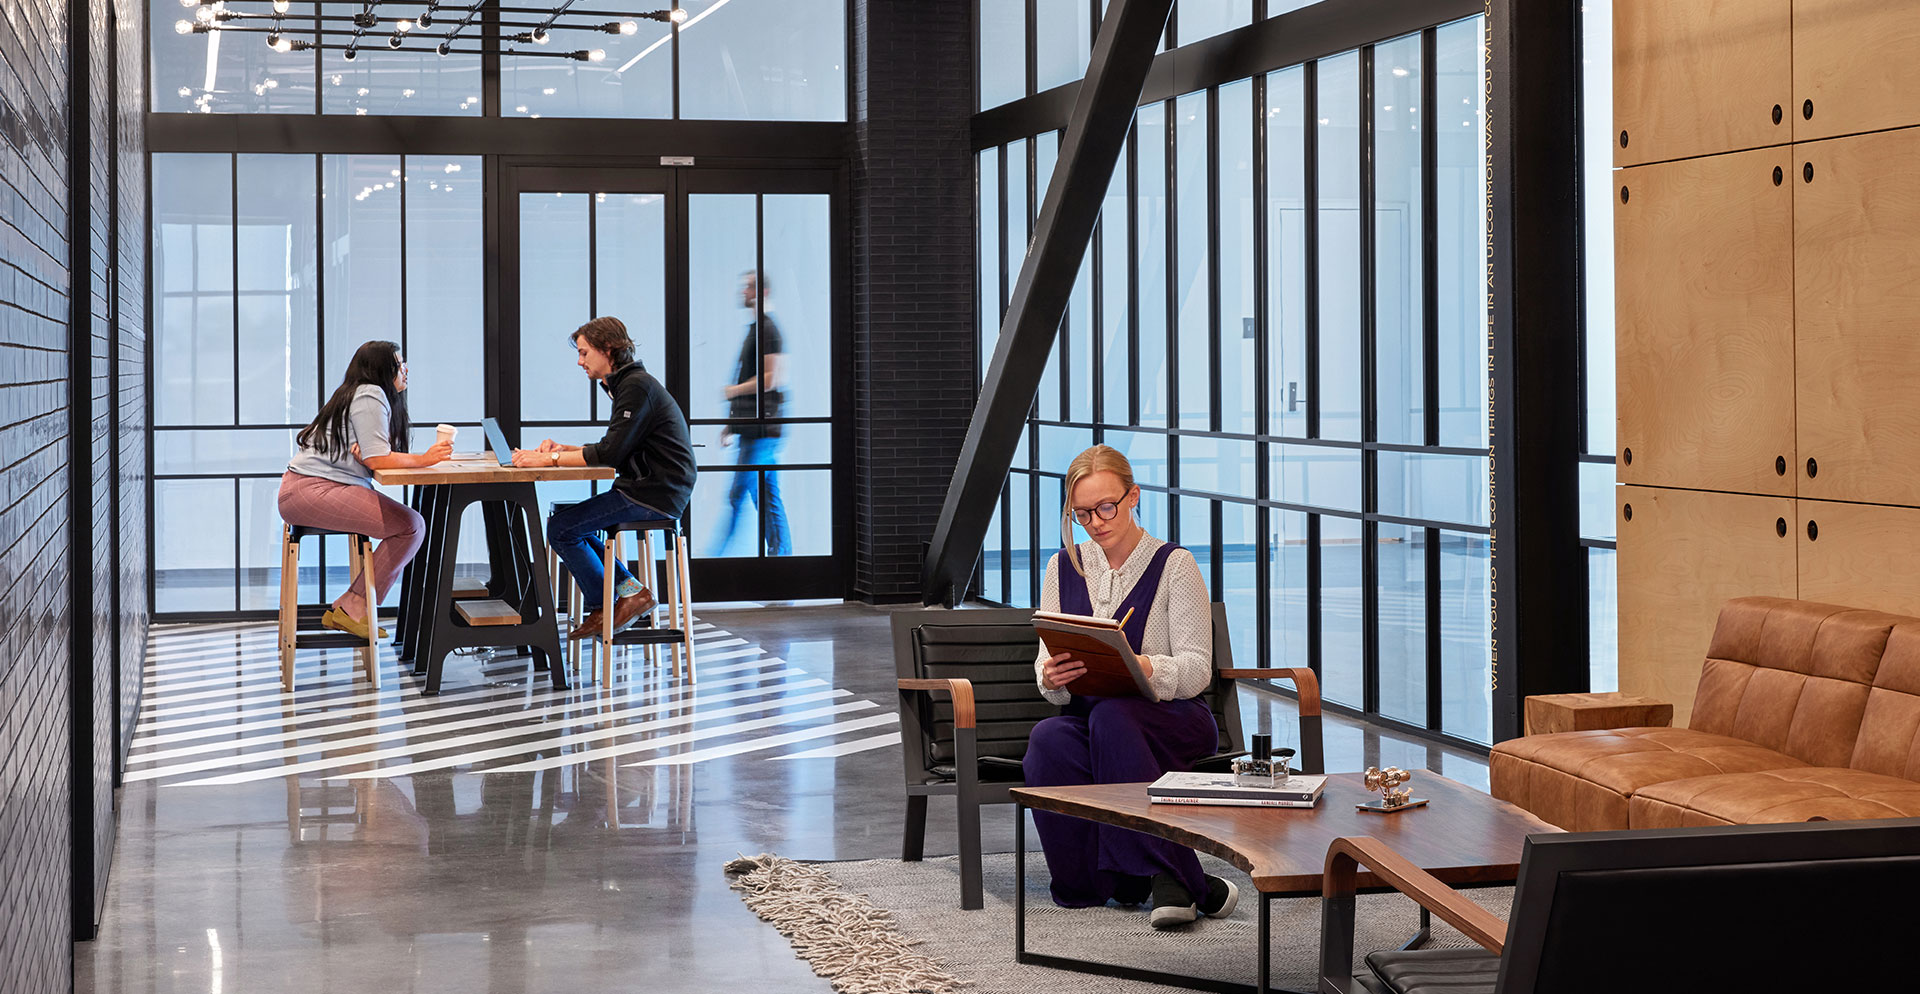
[367,420]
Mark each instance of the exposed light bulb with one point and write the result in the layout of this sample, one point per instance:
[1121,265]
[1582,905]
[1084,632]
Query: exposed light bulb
[189,3]
[281,6]
[442,49]
[393,41]
[406,93]
[259,91]
[389,184]
[522,109]
[404,26]
[185,92]
[540,36]
[597,55]
[1399,70]
[203,14]
[274,84]
[679,15]
[350,54]
[336,79]
[360,112]
[364,91]
[279,44]
[453,167]
[426,18]
[183,27]
[547,92]
[628,27]
[395,173]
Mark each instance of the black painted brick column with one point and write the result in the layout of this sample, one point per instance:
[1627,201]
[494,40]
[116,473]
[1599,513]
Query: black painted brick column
[913,280]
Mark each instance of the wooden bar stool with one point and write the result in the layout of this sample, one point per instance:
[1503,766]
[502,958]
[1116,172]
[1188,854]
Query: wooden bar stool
[674,595]
[300,623]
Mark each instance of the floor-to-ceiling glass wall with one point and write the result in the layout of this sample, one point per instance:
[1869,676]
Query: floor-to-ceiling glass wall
[1280,320]
[269,269]
[1596,374]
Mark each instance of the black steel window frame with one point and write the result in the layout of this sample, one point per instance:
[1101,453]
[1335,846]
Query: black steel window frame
[775,153]
[728,578]
[490,54]
[1000,126]
[155,428]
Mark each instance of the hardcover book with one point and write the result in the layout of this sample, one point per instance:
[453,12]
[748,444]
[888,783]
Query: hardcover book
[1297,791]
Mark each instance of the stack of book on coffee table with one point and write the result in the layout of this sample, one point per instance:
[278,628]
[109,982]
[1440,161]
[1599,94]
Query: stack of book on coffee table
[1296,791]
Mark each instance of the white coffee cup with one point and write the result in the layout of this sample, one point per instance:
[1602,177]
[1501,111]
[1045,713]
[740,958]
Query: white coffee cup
[446,433]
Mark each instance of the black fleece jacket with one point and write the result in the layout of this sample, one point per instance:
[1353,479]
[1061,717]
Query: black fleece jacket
[646,443]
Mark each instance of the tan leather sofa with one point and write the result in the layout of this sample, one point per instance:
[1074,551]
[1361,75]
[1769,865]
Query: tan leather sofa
[1804,711]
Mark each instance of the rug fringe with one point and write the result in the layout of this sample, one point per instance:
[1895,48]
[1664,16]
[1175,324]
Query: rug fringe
[841,935]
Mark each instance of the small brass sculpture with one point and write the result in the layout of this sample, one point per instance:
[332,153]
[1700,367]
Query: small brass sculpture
[1393,795]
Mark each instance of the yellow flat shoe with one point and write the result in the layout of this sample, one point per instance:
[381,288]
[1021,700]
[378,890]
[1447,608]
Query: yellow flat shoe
[341,621]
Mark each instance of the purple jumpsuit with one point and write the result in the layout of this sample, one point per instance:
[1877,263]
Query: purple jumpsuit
[1115,740]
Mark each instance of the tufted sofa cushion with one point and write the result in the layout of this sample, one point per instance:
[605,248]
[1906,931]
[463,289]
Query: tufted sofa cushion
[1581,781]
[1803,794]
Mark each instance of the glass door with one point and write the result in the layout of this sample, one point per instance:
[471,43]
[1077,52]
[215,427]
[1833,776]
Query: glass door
[730,283]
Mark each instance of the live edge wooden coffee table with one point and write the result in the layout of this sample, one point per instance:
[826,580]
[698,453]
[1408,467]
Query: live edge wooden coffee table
[1464,837]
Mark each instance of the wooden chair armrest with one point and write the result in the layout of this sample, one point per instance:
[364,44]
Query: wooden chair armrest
[1304,683]
[961,689]
[1346,855]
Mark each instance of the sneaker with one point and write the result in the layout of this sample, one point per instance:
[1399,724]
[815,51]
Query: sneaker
[1172,905]
[1222,897]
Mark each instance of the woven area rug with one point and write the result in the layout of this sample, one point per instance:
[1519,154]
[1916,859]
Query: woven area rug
[912,935]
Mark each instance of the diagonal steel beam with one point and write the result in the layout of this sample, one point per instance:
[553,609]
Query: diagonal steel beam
[1096,131]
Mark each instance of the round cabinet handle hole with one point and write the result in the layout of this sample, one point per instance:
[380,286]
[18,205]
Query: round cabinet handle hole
[1780,527]
[1627,511]
[1776,113]
[1813,531]
[1780,465]
[1813,469]
[1806,172]
[1629,455]
[1779,176]
[1806,110]
[1623,135]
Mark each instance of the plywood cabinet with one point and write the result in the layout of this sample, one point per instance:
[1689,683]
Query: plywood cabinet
[1857,62]
[1683,554]
[1703,262]
[1857,318]
[1860,555]
[1696,77]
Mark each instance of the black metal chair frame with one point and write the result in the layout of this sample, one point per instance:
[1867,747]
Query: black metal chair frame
[969,791]
[1549,863]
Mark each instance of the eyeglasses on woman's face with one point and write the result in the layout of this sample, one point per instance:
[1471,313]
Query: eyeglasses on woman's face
[1106,510]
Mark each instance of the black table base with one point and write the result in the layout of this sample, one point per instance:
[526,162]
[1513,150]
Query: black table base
[430,628]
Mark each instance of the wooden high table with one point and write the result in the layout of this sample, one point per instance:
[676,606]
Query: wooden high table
[516,548]
[1463,837]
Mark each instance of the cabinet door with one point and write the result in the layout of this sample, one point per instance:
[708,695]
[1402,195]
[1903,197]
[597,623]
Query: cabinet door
[1859,64]
[1860,555]
[1695,77]
[1703,288]
[1857,318]
[1683,554]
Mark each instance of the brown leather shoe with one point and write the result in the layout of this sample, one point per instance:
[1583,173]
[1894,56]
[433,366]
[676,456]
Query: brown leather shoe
[627,610]
[591,626]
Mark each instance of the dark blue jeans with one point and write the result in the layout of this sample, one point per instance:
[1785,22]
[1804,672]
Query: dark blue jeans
[761,452]
[574,533]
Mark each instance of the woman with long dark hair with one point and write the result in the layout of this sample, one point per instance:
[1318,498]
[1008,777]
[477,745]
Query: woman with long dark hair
[329,484]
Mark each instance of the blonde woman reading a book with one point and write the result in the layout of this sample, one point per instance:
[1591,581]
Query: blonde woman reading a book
[1122,572]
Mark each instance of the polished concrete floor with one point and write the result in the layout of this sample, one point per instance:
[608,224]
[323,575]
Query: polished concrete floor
[504,838]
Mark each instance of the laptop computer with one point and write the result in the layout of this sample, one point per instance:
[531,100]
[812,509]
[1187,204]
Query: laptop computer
[497,440]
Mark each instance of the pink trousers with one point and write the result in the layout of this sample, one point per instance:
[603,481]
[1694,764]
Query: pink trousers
[317,503]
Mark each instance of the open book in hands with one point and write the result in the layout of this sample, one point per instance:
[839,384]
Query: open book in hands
[1112,668]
